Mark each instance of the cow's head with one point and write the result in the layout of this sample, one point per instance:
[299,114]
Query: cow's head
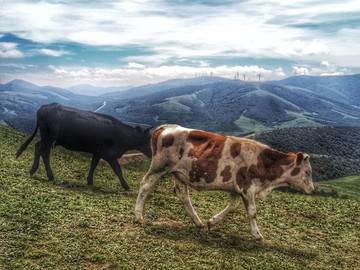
[300,175]
[144,137]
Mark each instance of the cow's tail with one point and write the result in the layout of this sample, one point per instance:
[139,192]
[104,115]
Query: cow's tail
[27,142]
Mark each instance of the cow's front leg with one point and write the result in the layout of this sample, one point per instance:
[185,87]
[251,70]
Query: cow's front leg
[117,169]
[182,191]
[146,185]
[233,204]
[249,202]
[94,162]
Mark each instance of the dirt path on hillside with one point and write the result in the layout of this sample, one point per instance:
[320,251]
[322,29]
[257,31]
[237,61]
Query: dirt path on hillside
[129,158]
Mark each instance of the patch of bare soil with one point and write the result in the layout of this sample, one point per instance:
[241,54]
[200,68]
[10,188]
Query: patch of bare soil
[129,158]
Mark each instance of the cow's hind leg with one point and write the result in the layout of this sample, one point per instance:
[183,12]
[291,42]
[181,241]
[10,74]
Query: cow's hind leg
[233,204]
[117,169]
[182,191]
[146,185]
[37,154]
[94,162]
[45,154]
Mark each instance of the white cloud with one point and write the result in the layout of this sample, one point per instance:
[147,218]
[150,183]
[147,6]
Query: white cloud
[9,50]
[256,73]
[135,65]
[338,73]
[325,68]
[245,28]
[300,70]
[325,63]
[203,64]
[54,53]
[300,48]
[97,38]
[137,74]
[174,31]
[17,66]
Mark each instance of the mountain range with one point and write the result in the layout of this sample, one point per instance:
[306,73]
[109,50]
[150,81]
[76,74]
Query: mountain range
[210,103]
[90,90]
[19,101]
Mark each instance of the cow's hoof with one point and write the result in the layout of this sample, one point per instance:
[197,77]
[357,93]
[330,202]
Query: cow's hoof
[139,220]
[210,224]
[126,188]
[128,192]
[260,239]
[200,225]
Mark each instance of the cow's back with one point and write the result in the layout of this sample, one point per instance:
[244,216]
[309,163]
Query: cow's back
[76,129]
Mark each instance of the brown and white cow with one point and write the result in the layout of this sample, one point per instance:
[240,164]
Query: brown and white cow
[209,161]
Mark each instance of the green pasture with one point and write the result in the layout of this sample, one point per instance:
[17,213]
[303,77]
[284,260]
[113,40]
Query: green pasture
[65,224]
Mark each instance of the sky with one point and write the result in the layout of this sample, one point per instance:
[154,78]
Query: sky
[130,43]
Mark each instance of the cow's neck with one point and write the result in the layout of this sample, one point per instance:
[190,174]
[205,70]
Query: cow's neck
[133,145]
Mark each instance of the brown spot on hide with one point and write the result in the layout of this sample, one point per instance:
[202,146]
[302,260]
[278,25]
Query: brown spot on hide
[168,140]
[235,149]
[268,168]
[154,139]
[206,151]
[226,174]
[242,178]
[295,171]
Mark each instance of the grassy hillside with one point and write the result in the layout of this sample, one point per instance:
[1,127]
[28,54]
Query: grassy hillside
[346,187]
[66,225]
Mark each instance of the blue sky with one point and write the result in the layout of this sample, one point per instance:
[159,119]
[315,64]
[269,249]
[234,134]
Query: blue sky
[122,43]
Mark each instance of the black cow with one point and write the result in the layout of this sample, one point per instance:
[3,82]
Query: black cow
[101,135]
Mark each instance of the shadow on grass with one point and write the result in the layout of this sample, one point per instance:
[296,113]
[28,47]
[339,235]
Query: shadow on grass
[224,240]
[83,187]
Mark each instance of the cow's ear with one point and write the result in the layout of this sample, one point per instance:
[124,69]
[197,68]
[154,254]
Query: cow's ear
[138,129]
[306,157]
[299,158]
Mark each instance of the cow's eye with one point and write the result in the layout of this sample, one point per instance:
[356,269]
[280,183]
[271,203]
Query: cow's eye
[307,173]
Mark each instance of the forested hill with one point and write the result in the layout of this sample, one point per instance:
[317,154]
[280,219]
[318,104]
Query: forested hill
[335,151]
[210,103]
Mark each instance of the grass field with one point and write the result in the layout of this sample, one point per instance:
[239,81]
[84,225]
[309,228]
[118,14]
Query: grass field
[346,187]
[66,225]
